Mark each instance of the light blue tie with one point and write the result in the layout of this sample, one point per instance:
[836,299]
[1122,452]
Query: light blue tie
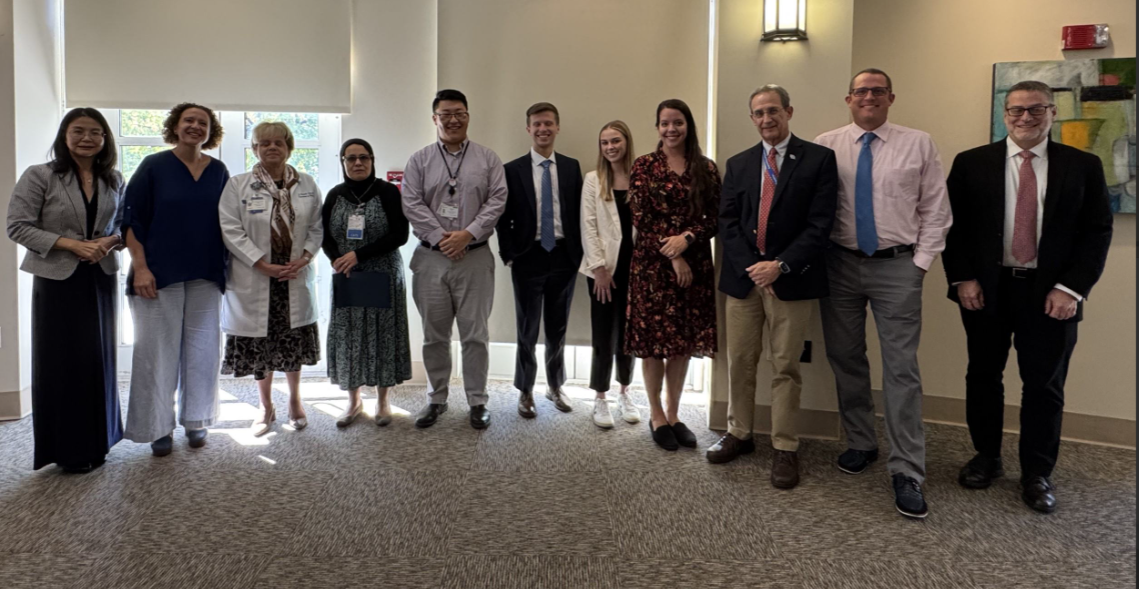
[864,198]
[548,240]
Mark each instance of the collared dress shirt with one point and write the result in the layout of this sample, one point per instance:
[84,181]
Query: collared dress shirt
[536,167]
[480,191]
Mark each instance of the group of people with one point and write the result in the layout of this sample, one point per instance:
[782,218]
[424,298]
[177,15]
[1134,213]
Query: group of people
[854,218]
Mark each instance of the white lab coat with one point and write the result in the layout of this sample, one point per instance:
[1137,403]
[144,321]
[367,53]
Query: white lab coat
[247,236]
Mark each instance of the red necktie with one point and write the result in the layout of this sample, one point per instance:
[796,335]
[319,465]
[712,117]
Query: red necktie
[1024,228]
[766,195]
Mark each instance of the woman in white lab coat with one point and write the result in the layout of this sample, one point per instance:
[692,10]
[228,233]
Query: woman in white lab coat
[271,224]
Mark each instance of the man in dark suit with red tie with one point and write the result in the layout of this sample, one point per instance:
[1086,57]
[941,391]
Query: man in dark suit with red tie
[1032,225]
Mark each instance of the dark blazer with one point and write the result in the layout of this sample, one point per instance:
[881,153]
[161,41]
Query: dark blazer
[1075,234]
[519,222]
[799,225]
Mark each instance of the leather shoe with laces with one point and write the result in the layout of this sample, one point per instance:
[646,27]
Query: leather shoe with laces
[908,497]
[561,401]
[785,469]
[855,461]
[480,416]
[728,449]
[980,472]
[1039,494]
[526,406]
[430,414]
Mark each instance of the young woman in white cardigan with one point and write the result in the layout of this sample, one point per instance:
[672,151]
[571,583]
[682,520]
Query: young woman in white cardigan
[607,240]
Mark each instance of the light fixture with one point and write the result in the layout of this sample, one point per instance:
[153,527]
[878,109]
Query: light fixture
[784,20]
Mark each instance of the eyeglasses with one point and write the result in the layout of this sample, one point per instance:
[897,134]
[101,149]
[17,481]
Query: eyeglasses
[358,158]
[1036,111]
[458,116]
[81,133]
[768,112]
[876,91]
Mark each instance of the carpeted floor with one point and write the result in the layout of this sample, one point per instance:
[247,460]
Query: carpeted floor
[552,502]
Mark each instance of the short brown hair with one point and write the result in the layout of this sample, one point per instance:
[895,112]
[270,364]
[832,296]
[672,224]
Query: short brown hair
[1030,86]
[872,70]
[170,125]
[541,107]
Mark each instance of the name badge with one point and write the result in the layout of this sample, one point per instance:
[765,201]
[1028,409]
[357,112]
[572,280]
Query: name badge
[448,212]
[356,227]
[305,195]
[256,203]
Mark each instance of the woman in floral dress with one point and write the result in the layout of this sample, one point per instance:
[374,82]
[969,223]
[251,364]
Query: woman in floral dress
[674,196]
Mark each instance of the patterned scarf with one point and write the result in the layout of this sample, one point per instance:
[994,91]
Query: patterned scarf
[283,214]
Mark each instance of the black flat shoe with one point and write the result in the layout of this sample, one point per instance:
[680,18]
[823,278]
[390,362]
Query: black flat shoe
[684,436]
[197,437]
[480,416]
[664,436]
[82,468]
[162,446]
[429,414]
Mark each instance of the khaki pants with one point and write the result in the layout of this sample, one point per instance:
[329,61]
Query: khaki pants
[786,325]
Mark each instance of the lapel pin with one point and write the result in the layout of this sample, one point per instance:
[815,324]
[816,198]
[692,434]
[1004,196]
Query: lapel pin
[791,155]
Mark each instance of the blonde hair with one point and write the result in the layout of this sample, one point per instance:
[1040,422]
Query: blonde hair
[266,129]
[604,170]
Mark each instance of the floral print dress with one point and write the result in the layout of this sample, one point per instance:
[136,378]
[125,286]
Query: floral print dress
[665,320]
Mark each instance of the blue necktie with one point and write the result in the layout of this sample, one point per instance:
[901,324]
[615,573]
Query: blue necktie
[548,240]
[864,198]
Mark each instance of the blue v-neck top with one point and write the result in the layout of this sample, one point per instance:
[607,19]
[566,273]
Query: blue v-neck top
[176,219]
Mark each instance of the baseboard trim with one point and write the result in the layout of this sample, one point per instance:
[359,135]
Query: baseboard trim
[15,404]
[825,424]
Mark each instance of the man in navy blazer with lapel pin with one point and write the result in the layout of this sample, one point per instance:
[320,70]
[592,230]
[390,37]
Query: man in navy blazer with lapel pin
[776,214]
[1032,227]
[539,239]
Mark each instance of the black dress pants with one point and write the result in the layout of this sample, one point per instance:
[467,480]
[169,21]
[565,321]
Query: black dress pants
[1044,348]
[608,323]
[543,289]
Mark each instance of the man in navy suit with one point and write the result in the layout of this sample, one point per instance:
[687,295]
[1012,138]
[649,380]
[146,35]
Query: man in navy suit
[539,239]
[776,214]
[1030,238]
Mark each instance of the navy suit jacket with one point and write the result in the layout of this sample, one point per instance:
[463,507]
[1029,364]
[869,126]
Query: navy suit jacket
[799,224]
[518,225]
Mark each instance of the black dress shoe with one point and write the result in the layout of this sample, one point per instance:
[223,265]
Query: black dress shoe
[1039,494]
[728,449]
[162,446]
[561,401]
[430,414]
[82,468]
[908,497]
[480,416]
[980,472]
[664,436]
[855,461]
[526,406]
[684,436]
[197,437]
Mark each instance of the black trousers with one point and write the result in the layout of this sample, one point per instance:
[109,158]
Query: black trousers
[543,289]
[1044,348]
[608,323]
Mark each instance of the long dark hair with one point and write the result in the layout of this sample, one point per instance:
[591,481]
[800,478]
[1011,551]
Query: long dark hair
[693,156]
[103,165]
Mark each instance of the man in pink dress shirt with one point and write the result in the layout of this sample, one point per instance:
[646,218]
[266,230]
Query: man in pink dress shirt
[891,221]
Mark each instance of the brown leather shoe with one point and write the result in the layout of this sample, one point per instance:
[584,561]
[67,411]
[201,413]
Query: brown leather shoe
[728,449]
[526,406]
[785,469]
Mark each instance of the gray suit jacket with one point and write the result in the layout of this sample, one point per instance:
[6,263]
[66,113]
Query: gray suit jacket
[46,206]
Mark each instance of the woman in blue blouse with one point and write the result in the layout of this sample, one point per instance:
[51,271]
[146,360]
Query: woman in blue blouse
[176,281]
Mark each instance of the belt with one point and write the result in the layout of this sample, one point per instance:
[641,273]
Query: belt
[473,246]
[890,252]
[1021,273]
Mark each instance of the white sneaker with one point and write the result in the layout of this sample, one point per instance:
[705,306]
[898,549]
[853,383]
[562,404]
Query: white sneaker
[602,418]
[629,411]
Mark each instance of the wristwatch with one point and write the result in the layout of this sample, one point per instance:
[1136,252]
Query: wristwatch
[689,238]
[783,267]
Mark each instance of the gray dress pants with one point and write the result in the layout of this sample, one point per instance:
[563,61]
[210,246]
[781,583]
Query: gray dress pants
[893,288]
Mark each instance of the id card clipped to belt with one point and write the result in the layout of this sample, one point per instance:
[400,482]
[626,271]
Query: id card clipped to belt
[356,226]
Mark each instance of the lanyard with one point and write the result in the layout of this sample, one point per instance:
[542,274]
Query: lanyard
[452,182]
[357,199]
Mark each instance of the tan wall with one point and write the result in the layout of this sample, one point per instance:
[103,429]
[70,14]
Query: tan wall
[940,56]
[597,60]
[815,74]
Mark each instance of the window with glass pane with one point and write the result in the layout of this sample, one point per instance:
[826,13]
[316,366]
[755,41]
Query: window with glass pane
[130,156]
[305,126]
[141,123]
[304,159]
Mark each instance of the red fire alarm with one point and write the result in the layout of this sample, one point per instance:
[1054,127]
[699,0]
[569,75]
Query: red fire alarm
[396,177]
[1085,37]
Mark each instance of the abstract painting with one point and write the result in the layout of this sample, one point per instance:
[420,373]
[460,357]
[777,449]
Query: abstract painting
[1095,112]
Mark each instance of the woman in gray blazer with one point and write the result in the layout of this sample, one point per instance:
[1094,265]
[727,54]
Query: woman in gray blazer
[67,214]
